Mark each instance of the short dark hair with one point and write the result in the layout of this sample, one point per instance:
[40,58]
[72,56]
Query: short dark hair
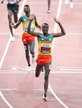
[26,5]
[45,24]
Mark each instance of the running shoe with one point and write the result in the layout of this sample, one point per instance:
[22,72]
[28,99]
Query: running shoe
[28,69]
[66,1]
[71,5]
[48,11]
[44,97]
[12,39]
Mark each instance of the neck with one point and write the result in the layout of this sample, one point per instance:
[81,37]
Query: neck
[28,14]
[45,34]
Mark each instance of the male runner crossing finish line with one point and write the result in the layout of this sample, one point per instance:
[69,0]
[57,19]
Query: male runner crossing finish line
[45,51]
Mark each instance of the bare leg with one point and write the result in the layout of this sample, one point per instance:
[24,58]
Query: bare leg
[10,21]
[46,78]
[32,46]
[27,53]
[49,3]
[15,17]
[38,70]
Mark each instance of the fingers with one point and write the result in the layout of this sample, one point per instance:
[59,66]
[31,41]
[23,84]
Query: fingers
[40,28]
[56,20]
[1,1]
[12,24]
[32,17]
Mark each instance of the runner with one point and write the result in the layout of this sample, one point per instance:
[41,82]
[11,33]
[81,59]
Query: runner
[12,7]
[45,51]
[27,39]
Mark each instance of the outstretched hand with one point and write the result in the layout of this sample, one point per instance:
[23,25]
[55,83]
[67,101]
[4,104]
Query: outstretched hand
[32,17]
[1,1]
[56,20]
[12,25]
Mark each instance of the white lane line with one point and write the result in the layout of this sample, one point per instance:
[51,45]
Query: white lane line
[4,54]
[5,100]
[62,69]
[19,89]
[55,30]
[24,72]
[9,41]
[57,97]
[70,68]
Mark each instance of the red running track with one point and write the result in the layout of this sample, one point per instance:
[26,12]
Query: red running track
[20,88]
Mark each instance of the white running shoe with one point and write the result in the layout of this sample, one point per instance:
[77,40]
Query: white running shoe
[71,5]
[28,69]
[50,66]
[44,97]
[33,60]
[12,39]
[48,11]
[66,1]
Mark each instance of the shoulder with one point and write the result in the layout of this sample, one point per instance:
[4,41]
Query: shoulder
[33,15]
[20,19]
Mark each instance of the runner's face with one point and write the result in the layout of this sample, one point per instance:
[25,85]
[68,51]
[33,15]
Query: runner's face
[45,29]
[26,9]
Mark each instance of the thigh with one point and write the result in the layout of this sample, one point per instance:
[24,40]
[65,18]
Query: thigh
[32,45]
[26,47]
[10,16]
[38,70]
[47,68]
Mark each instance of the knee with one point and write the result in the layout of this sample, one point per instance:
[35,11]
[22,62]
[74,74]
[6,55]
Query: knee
[46,77]
[31,51]
[36,75]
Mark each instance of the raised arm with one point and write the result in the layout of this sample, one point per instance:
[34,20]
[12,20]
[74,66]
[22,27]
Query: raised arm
[36,24]
[30,32]
[2,1]
[17,24]
[62,33]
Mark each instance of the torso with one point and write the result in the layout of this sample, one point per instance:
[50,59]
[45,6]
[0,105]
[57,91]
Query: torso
[45,45]
[25,22]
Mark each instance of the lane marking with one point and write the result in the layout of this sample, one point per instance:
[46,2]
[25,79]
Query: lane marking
[4,55]
[57,96]
[55,30]
[69,68]
[9,41]
[20,89]
[63,69]
[5,100]
[24,72]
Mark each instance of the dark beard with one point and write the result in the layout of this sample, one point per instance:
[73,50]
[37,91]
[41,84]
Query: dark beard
[27,12]
[45,34]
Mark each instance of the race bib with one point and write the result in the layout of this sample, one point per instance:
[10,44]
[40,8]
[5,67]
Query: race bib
[45,48]
[26,27]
